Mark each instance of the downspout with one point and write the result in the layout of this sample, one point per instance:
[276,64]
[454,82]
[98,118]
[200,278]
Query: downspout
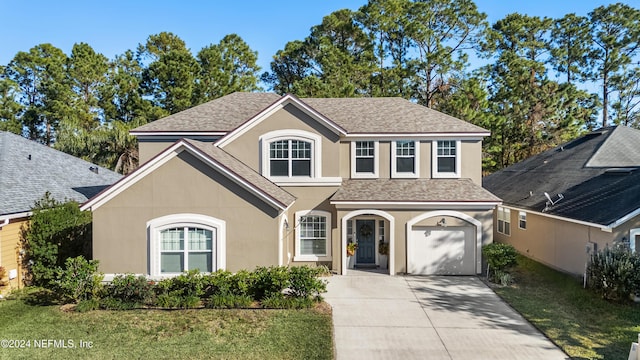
[4,223]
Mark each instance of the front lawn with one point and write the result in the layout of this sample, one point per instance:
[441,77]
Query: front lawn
[582,324]
[164,334]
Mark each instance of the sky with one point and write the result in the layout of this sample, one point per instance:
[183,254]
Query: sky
[113,26]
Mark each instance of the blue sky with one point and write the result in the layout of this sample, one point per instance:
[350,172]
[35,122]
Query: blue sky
[113,26]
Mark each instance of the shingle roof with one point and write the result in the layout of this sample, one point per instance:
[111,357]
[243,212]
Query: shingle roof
[596,174]
[243,171]
[29,169]
[388,115]
[356,115]
[412,190]
[222,114]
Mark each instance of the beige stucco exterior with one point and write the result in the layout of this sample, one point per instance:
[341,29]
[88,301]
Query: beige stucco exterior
[402,217]
[10,253]
[562,244]
[183,185]
[257,234]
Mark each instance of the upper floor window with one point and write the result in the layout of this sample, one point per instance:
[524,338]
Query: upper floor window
[446,159]
[290,154]
[364,159]
[290,158]
[404,159]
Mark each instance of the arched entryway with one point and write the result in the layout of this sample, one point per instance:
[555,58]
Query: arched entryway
[375,214]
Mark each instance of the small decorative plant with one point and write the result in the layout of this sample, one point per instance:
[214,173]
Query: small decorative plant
[383,248]
[351,248]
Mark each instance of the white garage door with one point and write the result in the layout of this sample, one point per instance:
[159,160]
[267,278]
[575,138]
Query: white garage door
[442,251]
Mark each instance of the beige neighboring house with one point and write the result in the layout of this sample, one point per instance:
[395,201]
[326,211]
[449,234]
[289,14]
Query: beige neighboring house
[27,171]
[565,203]
[259,179]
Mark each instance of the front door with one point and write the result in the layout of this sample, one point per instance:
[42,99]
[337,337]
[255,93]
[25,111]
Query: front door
[365,233]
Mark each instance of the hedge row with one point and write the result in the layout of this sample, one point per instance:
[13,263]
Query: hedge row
[268,287]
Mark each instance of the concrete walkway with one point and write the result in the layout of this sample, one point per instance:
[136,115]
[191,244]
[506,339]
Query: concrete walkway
[376,316]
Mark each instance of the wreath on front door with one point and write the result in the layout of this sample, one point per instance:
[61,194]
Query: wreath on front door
[366,230]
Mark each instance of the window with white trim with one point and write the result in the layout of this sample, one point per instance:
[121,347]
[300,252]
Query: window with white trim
[446,158]
[186,248]
[404,159]
[290,158]
[522,220]
[313,235]
[504,220]
[364,159]
[291,155]
[182,242]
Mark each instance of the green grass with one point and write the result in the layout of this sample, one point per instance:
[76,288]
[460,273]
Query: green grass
[163,334]
[582,324]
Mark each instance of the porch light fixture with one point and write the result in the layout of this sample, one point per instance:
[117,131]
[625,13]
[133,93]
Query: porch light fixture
[286,224]
[442,222]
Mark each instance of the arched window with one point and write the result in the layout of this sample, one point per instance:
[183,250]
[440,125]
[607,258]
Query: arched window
[184,242]
[291,154]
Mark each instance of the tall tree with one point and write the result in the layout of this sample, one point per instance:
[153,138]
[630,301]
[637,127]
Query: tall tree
[570,47]
[443,31]
[289,66]
[44,92]
[388,25]
[170,79]
[615,30]
[532,113]
[626,108]
[10,109]
[226,67]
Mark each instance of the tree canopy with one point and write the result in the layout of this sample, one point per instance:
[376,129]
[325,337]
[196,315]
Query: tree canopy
[534,82]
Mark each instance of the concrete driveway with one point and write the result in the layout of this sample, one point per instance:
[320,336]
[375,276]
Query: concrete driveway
[377,316]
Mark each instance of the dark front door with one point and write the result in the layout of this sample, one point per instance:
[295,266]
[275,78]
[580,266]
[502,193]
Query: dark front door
[365,233]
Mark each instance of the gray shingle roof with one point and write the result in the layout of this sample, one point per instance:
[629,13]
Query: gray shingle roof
[243,171]
[388,115]
[598,175]
[356,115]
[222,114]
[412,190]
[29,169]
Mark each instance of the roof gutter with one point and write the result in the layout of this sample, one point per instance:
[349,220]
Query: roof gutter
[4,219]
[606,228]
[624,219]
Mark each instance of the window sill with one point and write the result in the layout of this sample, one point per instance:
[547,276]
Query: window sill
[306,181]
[404,176]
[311,258]
[442,175]
[364,176]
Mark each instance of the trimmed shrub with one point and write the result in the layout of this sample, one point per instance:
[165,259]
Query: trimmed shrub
[110,303]
[614,273]
[304,282]
[228,301]
[79,280]
[280,301]
[500,257]
[269,280]
[56,231]
[129,288]
[88,305]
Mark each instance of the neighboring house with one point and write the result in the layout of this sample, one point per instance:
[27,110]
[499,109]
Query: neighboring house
[258,179]
[27,171]
[593,188]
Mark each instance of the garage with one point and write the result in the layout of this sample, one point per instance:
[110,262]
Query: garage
[436,250]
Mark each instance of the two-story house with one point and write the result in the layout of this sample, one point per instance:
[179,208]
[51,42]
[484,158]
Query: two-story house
[259,179]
